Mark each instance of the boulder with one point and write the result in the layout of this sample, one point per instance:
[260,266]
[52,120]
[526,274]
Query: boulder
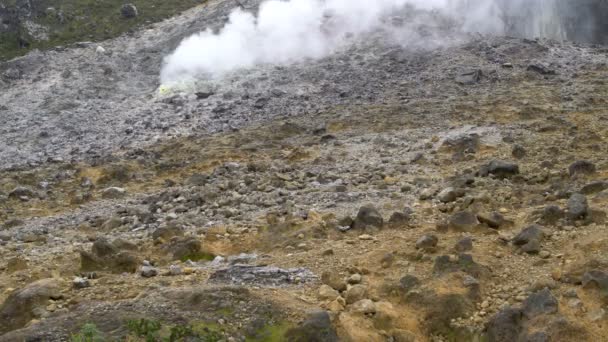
[113,193]
[21,306]
[326,292]
[368,217]
[540,303]
[105,256]
[355,293]
[463,221]
[128,11]
[464,245]
[505,326]
[529,239]
[577,207]
[333,280]
[469,77]
[500,169]
[581,167]
[492,219]
[426,242]
[317,327]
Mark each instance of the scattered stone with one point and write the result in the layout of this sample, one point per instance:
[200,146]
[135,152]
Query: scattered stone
[464,245]
[399,219]
[333,280]
[464,143]
[427,194]
[400,335]
[427,242]
[80,283]
[493,219]
[112,223]
[594,187]
[581,167]
[328,252]
[463,221]
[328,293]
[128,11]
[540,303]
[124,245]
[596,279]
[201,95]
[463,263]
[22,305]
[175,270]
[336,305]
[552,214]
[449,194]
[368,216]
[529,239]
[364,306]
[188,248]
[532,247]
[518,152]
[355,293]
[387,260]
[148,271]
[113,193]
[544,254]
[577,207]
[317,327]
[500,169]
[541,68]
[252,275]
[506,325]
[409,282]
[198,179]
[469,77]
[106,256]
[366,237]
[22,192]
[168,232]
[354,279]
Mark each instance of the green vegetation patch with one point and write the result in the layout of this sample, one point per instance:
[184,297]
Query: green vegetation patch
[154,331]
[271,333]
[88,333]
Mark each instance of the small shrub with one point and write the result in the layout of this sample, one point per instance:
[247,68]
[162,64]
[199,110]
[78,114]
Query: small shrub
[145,328]
[88,333]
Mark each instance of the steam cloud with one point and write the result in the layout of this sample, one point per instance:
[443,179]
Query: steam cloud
[296,30]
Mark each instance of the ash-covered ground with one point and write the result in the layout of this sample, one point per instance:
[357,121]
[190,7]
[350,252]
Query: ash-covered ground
[450,192]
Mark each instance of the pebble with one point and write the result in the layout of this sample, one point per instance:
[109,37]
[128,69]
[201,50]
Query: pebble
[80,283]
[175,270]
[148,271]
[354,279]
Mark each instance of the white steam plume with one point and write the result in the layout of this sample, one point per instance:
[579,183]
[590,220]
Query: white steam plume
[282,32]
[296,30]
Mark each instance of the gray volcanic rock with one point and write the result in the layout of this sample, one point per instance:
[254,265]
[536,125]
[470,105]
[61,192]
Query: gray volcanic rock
[261,275]
[111,100]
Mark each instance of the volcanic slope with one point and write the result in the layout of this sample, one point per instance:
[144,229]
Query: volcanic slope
[379,194]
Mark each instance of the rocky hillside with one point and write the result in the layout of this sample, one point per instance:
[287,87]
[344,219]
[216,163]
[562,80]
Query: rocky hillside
[43,24]
[379,194]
